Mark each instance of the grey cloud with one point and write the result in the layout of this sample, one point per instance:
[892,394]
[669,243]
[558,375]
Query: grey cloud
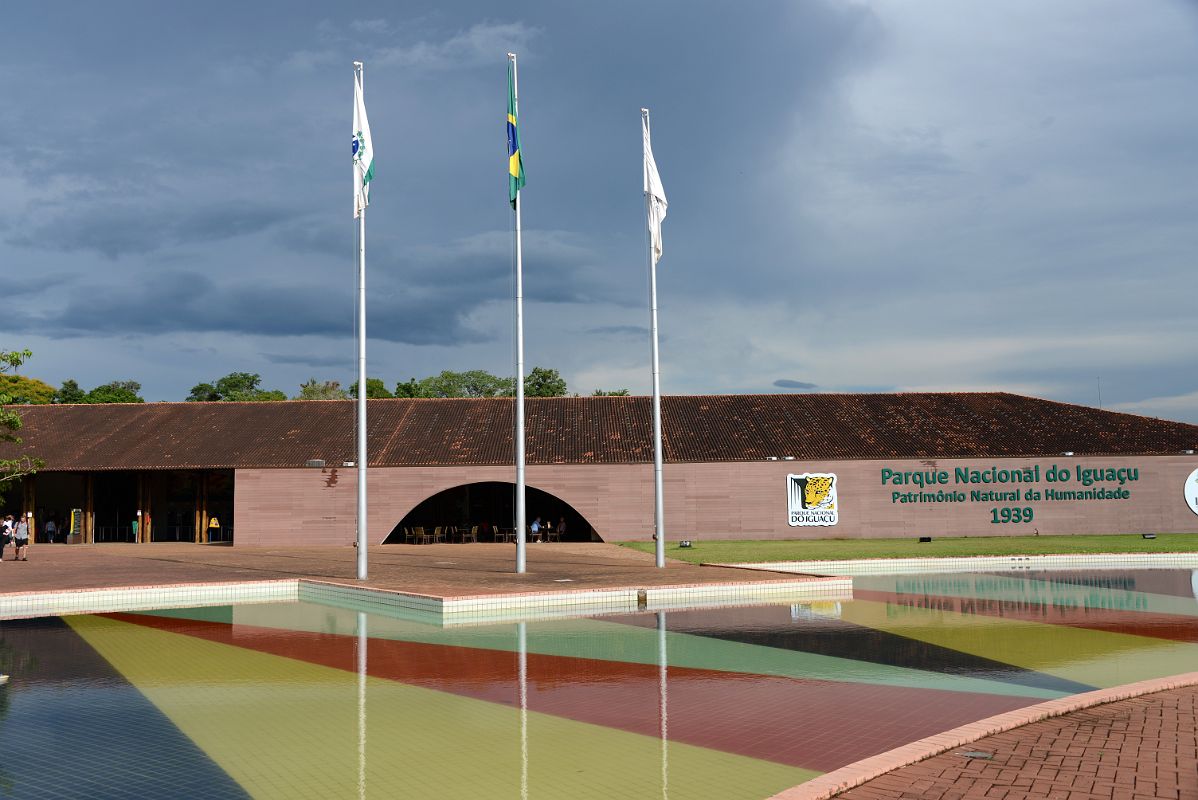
[831,165]
[477,45]
[308,60]
[559,267]
[787,383]
[114,229]
[370,26]
[308,360]
[318,236]
[629,331]
[190,302]
[18,282]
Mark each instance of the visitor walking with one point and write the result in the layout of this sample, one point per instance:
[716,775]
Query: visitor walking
[6,531]
[51,530]
[21,540]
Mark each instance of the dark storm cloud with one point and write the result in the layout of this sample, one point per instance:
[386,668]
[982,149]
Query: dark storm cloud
[115,229]
[559,267]
[306,360]
[632,331]
[19,282]
[318,236]
[179,301]
[854,173]
[787,383]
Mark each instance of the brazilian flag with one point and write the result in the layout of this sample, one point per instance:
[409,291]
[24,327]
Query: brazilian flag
[515,164]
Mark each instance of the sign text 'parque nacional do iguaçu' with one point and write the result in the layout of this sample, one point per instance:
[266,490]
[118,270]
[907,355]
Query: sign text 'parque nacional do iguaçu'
[1008,493]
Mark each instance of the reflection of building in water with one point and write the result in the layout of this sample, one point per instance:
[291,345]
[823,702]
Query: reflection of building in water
[817,609]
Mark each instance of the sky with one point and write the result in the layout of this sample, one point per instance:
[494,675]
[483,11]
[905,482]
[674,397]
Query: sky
[940,195]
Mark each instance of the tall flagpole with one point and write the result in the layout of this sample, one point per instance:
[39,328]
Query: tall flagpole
[519,433]
[659,524]
[361,541]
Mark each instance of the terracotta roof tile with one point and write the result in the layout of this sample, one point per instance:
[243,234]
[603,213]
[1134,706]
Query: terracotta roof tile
[587,430]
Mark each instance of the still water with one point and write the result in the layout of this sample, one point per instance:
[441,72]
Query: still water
[303,700]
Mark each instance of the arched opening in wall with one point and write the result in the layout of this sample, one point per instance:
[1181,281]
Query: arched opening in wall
[491,506]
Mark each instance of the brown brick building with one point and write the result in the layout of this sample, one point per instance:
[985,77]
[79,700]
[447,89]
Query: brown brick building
[736,466]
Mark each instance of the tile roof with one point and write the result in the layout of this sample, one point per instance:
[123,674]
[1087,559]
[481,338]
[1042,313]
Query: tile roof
[586,430]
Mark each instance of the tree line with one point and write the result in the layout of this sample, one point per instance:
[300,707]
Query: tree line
[247,386]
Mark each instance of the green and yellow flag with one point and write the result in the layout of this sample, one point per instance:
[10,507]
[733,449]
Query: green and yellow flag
[515,164]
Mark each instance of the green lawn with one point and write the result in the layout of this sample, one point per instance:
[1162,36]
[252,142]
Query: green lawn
[832,549]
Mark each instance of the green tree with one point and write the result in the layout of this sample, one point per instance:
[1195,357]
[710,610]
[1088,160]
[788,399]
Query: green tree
[543,382]
[409,388]
[243,386]
[115,392]
[321,390]
[26,391]
[375,389]
[610,393]
[203,393]
[10,422]
[540,382]
[70,392]
[472,383]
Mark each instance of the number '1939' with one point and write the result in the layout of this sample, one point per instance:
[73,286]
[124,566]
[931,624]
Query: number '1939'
[1001,516]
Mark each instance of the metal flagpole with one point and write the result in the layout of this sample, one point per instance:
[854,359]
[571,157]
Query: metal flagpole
[659,524]
[519,433]
[358,68]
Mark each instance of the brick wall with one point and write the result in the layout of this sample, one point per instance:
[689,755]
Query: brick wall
[731,500]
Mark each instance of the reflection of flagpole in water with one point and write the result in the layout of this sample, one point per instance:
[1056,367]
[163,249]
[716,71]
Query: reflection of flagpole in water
[362,639]
[662,667]
[522,638]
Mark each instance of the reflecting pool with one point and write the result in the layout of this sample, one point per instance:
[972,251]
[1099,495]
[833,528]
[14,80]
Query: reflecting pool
[303,700]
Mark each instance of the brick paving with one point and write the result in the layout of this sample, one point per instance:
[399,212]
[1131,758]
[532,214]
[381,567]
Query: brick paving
[1143,748]
[441,570]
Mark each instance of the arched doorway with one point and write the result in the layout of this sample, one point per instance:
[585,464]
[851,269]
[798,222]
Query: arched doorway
[489,505]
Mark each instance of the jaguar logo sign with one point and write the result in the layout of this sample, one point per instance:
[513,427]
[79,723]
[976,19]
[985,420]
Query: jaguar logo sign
[811,499]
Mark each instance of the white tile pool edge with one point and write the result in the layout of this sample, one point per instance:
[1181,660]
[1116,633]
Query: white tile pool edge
[898,566]
[140,598]
[548,605]
[483,608]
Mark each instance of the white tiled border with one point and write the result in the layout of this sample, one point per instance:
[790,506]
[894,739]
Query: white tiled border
[549,605]
[143,598]
[425,608]
[893,566]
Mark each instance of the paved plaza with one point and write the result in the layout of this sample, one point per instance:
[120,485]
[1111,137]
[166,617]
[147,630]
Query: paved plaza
[1142,748]
[439,570]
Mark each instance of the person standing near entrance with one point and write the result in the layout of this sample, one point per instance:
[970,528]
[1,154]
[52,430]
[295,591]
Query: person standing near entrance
[51,530]
[21,540]
[6,531]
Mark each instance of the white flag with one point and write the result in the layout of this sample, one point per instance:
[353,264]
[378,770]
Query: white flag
[653,191]
[363,150]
